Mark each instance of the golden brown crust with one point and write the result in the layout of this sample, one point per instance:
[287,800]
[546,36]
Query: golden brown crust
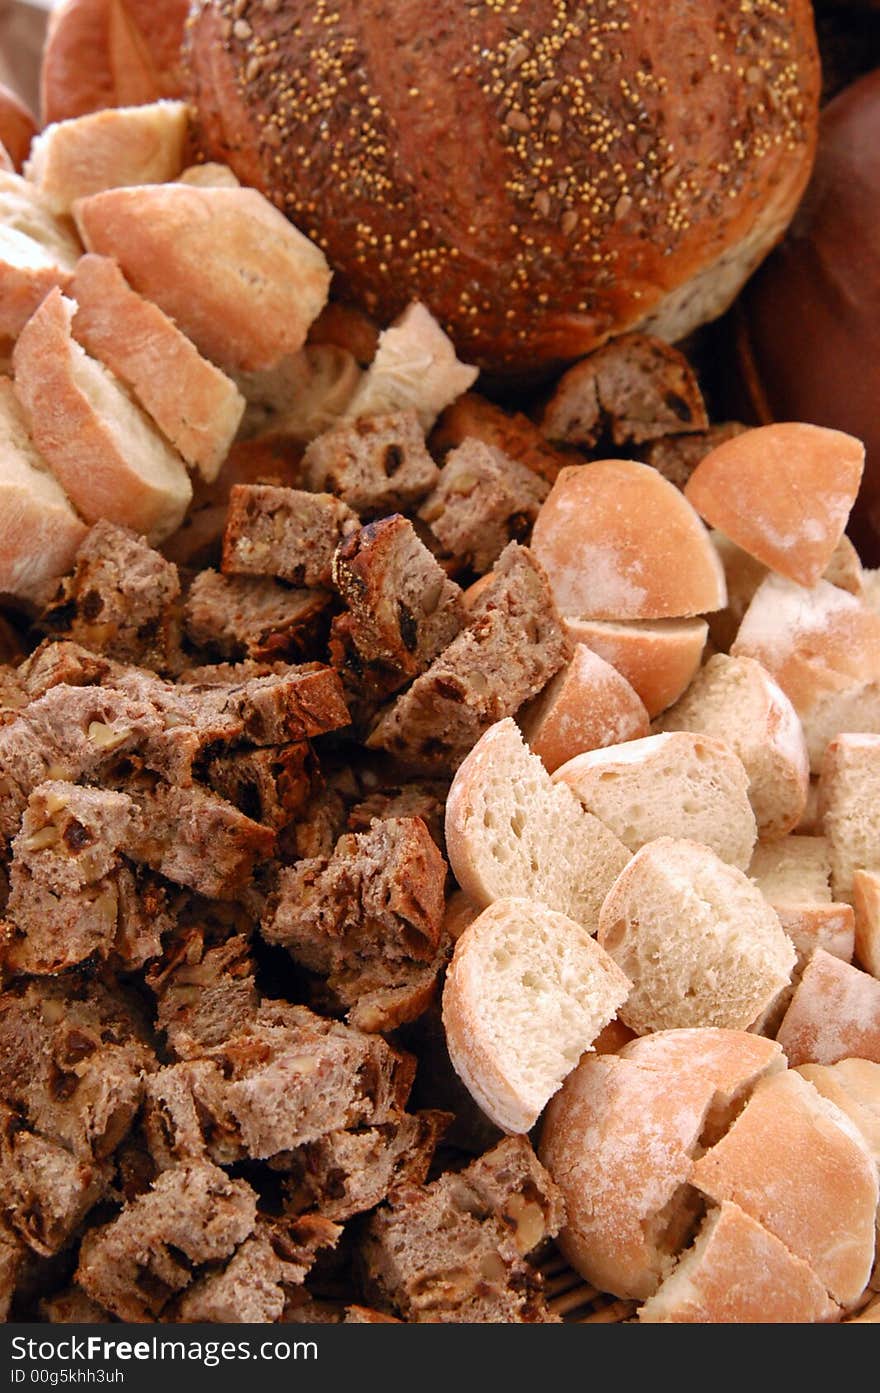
[17,127]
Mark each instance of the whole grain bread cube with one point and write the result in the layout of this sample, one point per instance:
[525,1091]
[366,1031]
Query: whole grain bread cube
[376,464]
[196,839]
[204,993]
[46,1190]
[425,799]
[284,532]
[472,417]
[512,647]
[253,1286]
[454,1251]
[193,1215]
[12,1257]
[403,608]
[253,616]
[120,600]
[73,1307]
[296,704]
[483,500]
[56,661]
[366,686]
[272,785]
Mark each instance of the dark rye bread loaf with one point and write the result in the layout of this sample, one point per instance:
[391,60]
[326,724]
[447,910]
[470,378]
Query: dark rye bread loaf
[541,174]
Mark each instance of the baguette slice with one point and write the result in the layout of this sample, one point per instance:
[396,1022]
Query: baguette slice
[509,831]
[618,541]
[737,701]
[783,493]
[39,530]
[36,253]
[793,876]
[98,444]
[833,1015]
[585,706]
[527,993]
[658,659]
[678,785]
[696,938]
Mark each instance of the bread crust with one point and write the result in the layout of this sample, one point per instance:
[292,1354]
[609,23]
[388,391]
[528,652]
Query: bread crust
[18,126]
[658,659]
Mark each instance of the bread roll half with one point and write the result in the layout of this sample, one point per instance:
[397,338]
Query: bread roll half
[658,658]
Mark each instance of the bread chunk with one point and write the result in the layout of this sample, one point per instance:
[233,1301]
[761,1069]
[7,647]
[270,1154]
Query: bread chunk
[56,661]
[376,464]
[285,533]
[793,875]
[272,785]
[37,253]
[455,1250]
[253,616]
[204,993]
[199,840]
[849,809]
[414,368]
[256,1282]
[658,659]
[866,903]
[471,417]
[46,1190]
[587,705]
[833,1015]
[483,500]
[73,1307]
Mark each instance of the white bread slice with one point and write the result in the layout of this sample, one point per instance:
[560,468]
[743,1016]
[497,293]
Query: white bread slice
[834,1014]
[39,530]
[658,659]
[866,903]
[526,994]
[586,705]
[793,876]
[618,541]
[196,406]
[619,1139]
[105,149]
[36,253]
[736,700]
[738,1273]
[98,444]
[781,492]
[696,938]
[797,1164]
[849,806]
[677,785]
[871,588]
[509,831]
[235,276]
[855,710]
[415,369]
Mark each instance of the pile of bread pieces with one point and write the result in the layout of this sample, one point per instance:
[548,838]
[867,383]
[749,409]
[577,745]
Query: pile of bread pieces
[439,847]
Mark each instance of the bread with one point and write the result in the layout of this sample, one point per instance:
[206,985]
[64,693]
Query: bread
[197,408]
[678,785]
[510,831]
[677,456]
[133,48]
[472,417]
[482,500]
[618,541]
[36,253]
[487,226]
[99,446]
[849,809]
[783,493]
[620,1137]
[658,659]
[17,127]
[304,395]
[792,874]
[834,1014]
[526,994]
[377,464]
[233,274]
[253,617]
[414,369]
[737,701]
[823,1211]
[866,903]
[587,705]
[853,1085]
[695,937]
[106,149]
[737,1272]
[40,531]
[284,532]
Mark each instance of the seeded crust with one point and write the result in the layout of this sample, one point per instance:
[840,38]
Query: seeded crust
[483,500]
[377,464]
[285,533]
[253,617]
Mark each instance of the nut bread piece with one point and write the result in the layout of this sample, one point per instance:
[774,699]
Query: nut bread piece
[37,253]
[510,830]
[698,941]
[196,407]
[199,840]
[737,701]
[659,659]
[833,1015]
[678,785]
[849,789]
[415,368]
[587,705]
[98,444]
[472,417]
[253,617]
[47,1192]
[793,875]
[375,464]
[204,993]
[285,533]
[482,501]
[526,994]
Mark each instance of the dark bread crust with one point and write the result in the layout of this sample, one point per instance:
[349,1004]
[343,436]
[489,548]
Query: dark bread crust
[453,145]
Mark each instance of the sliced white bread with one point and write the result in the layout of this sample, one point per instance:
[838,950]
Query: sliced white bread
[196,406]
[738,1273]
[619,1139]
[658,659]
[834,1014]
[793,875]
[783,493]
[587,705]
[101,448]
[36,253]
[39,530]
[527,992]
[797,1164]
[849,806]
[415,368]
[676,785]
[866,903]
[618,541]
[105,149]
[737,701]
[696,938]
[227,266]
[510,831]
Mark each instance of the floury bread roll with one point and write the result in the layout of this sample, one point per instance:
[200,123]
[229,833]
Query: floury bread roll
[541,175]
